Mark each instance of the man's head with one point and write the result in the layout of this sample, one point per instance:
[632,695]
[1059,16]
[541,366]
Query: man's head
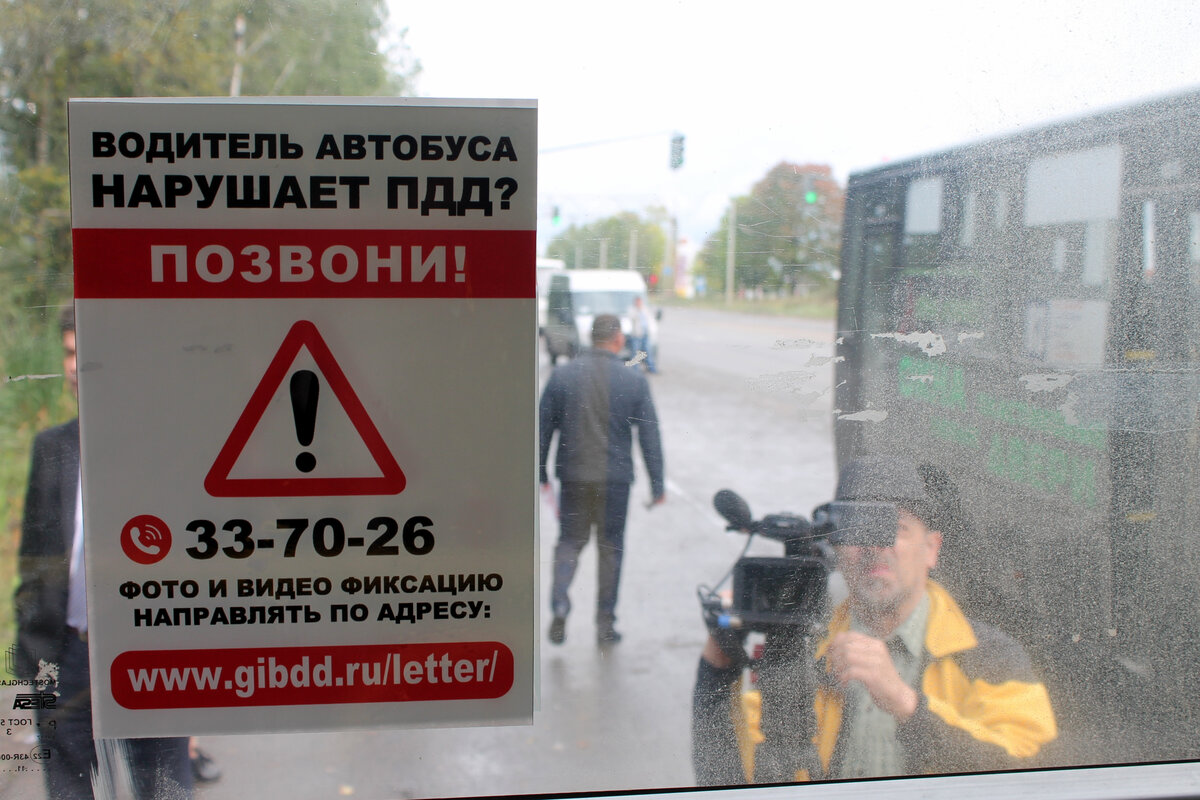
[606,333]
[886,583]
[66,327]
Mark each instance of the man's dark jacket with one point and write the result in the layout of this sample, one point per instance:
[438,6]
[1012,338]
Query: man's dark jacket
[44,558]
[594,402]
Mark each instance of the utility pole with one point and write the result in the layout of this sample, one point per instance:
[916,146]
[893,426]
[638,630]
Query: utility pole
[730,253]
[672,247]
[673,251]
[239,53]
[633,237]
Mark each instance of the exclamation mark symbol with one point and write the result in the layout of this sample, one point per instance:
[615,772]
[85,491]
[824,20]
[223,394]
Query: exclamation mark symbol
[460,265]
[305,389]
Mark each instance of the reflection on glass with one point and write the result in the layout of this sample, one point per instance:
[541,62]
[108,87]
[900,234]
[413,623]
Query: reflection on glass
[1021,313]
[1063,445]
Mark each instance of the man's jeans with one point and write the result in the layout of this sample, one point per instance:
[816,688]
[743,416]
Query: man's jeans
[582,505]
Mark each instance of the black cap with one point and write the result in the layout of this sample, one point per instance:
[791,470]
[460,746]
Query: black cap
[925,491]
[883,479]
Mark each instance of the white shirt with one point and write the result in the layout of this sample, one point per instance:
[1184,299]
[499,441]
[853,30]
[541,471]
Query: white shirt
[77,588]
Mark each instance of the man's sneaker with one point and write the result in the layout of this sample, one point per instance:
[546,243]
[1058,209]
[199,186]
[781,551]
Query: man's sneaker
[558,630]
[606,633]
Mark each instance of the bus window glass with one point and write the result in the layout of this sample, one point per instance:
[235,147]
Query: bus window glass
[922,223]
[923,208]
[1074,187]
[1096,249]
[1194,245]
[979,258]
[966,231]
[1072,407]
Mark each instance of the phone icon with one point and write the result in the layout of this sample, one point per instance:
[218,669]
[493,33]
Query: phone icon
[146,539]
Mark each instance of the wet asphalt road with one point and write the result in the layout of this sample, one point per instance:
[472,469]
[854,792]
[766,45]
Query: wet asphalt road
[744,403]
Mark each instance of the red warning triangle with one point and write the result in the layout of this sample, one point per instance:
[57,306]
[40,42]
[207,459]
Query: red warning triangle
[303,334]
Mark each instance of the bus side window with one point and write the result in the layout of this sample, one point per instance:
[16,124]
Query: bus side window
[1149,238]
[923,223]
[970,214]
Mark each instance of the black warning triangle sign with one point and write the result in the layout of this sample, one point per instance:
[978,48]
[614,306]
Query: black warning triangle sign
[303,334]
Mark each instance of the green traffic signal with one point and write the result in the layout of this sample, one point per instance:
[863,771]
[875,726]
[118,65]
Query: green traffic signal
[677,151]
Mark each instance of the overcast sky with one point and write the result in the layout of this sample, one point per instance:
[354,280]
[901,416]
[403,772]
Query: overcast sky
[754,83]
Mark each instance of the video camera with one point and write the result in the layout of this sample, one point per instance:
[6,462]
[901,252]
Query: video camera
[772,592]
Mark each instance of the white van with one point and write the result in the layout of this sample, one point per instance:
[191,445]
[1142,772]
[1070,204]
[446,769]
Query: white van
[578,295]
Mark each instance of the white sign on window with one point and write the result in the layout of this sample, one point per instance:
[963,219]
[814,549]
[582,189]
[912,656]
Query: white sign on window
[306,331]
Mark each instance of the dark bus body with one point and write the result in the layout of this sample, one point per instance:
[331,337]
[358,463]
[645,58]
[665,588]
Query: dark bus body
[1024,314]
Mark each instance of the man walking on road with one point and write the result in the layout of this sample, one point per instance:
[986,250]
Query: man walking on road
[594,403]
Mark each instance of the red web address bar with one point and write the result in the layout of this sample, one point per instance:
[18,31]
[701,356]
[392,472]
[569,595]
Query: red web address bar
[155,679]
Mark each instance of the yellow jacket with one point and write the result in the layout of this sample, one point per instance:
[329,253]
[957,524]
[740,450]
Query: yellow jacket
[980,707]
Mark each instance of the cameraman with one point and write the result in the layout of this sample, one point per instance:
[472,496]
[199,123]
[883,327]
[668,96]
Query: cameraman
[901,682]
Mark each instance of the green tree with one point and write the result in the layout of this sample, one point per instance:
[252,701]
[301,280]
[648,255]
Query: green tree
[121,48]
[127,48]
[610,242]
[50,52]
[788,233]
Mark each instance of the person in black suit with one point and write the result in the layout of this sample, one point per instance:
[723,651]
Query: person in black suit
[51,611]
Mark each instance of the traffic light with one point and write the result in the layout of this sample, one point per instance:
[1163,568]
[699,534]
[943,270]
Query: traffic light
[555,215]
[810,192]
[677,151]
